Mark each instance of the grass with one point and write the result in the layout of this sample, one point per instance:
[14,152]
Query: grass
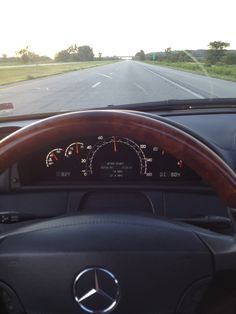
[226,72]
[15,74]
[7,63]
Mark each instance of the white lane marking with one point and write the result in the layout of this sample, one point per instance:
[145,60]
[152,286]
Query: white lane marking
[39,88]
[107,76]
[140,87]
[177,85]
[111,73]
[95,85]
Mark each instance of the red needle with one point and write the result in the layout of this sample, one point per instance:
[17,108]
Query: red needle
[77,149]
[54,156]
[114,145]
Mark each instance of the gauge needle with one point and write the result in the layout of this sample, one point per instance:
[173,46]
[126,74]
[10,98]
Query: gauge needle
[54,156]
[77,149]
[114,145]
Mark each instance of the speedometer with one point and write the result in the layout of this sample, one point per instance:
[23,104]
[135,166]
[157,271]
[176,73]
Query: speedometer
[116,158]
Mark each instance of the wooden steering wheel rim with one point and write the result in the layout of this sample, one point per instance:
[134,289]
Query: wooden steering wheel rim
[195,154]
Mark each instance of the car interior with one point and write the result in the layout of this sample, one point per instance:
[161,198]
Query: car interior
[148,194]
[117,157]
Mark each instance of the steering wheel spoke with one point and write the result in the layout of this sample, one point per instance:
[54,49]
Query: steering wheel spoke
[151,258]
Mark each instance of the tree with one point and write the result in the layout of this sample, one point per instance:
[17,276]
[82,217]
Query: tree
[63,56]
[67,55]
[25,55]
[85,53]
[140,55]
[218,45]
[75,53]
[72,49]
[168,50]
[99,56]
[216,51]
[168,54]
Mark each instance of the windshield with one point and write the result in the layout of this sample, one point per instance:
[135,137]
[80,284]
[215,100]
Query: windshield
[70,55]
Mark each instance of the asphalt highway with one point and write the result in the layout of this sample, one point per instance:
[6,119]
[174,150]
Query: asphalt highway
[119,83]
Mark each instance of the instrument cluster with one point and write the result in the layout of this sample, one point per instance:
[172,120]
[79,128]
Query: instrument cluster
[103,159]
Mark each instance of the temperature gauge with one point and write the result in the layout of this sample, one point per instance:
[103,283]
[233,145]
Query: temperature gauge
[73,151]
[75,154]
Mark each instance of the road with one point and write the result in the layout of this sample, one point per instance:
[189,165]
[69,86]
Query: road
[114,84]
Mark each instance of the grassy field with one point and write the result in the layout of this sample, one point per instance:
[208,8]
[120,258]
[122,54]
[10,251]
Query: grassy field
[226,72]
[10,63]
[17,74]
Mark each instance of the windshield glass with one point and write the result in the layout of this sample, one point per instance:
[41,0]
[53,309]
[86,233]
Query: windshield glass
[70,55]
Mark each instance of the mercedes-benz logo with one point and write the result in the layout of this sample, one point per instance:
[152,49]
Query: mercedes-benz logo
[96,290]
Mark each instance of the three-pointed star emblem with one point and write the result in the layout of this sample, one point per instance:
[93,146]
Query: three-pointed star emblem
[96,290]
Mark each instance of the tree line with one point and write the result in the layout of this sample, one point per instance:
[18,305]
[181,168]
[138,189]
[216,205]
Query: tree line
[215,54]
[27,56]
[73,53]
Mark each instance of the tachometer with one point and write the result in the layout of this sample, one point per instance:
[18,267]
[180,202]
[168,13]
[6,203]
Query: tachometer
[116,158]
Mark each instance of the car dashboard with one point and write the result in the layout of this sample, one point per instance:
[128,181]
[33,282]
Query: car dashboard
[103,160]
[116,174]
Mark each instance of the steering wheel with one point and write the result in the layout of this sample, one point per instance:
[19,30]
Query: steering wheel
[102,263]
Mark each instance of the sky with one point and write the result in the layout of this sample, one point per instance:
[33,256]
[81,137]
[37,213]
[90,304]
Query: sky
[115,27]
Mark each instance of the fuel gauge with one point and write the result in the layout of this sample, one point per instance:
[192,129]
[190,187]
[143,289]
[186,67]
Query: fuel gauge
[180,164]
[54,157]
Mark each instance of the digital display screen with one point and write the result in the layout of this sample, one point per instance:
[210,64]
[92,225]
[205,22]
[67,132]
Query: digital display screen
[103,159]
